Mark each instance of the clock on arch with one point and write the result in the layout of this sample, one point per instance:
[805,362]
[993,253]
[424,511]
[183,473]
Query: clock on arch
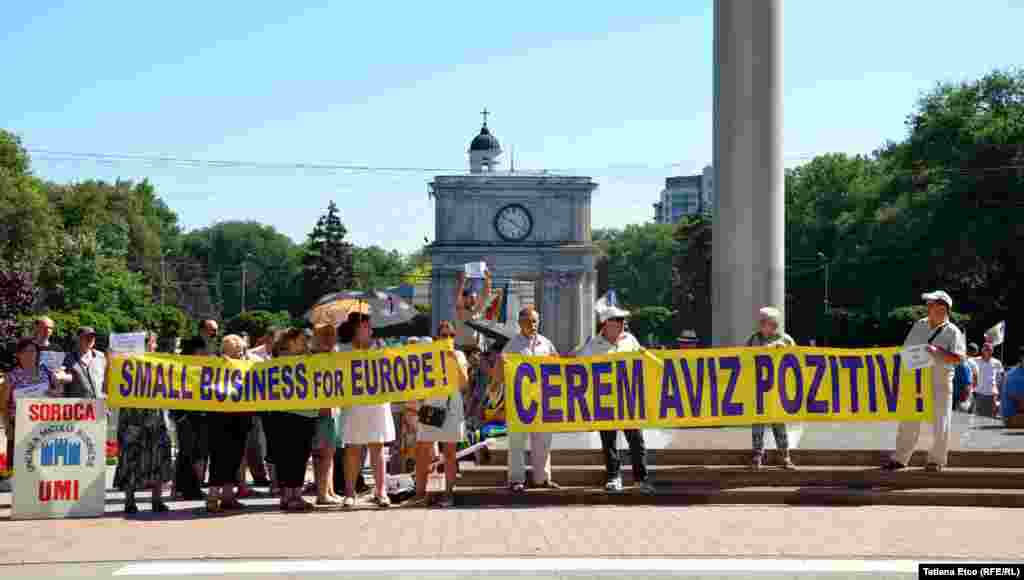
[514,223]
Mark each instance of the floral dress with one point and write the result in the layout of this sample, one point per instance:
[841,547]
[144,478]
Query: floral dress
[145,445]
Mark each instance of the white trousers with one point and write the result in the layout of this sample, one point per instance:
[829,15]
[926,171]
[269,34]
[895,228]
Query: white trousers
[540,457]
[910,431]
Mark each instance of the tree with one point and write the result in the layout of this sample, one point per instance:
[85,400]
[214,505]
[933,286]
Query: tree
[327,264]
[28,230]
[375,267]
[255,323]
[270,259]
[691,278]
[17,295]
[640,263]
[652,325]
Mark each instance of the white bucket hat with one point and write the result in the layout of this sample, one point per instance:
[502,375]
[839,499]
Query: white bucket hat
[938,296]
[610,312]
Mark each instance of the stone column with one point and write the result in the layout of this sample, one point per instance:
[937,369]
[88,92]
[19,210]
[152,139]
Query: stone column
[748,261]
[442,295]
[551,319]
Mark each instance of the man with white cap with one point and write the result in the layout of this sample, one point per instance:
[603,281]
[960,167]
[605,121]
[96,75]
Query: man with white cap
[611,338]
[948,348]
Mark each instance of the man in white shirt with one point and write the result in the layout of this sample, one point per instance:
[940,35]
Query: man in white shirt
[530,343]
[972,361]
[613,338]
[990,373]
[948,348]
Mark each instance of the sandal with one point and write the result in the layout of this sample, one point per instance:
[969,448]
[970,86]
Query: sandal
[232,505]
[331,501]
[548,485]
[298,505]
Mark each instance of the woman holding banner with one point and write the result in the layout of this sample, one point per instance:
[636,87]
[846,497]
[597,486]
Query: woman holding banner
[366,426]
[325,436]
[770,334]
[448,432]
[228,435]
[290,433]
[144,446]
[28,379]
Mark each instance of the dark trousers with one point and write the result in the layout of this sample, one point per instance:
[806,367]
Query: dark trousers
[228,435]
[193,447]
[293,443]
[637,450]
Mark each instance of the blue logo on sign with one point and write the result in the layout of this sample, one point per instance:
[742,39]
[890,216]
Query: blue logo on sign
[61,452]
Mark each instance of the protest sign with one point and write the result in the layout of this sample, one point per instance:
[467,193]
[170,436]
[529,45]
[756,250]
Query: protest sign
[341,379]
[128,343]
[475,269]
[712,387]
[60,460]
[916,357]
[51,359]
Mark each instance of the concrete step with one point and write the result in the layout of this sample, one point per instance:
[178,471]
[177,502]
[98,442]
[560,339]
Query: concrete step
[808,457]
[732,476]
[697,495]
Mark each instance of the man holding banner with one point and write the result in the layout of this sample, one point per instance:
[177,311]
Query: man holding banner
[530,343]
[612,337]
[947,347]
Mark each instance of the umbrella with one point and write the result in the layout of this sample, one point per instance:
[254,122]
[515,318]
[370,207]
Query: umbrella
[334,308]
[384,308]
[500,334]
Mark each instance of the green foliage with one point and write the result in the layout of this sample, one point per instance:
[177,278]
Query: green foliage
[256,322]
[272,270]
[639,263]
[327,262]
[652,322]
[28,230]
[168,322]
[375,267]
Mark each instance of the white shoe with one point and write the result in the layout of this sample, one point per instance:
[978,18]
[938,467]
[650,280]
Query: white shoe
[348,502]
[614,485]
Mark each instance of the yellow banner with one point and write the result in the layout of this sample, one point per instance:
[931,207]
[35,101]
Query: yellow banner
[712,387]
[366,377]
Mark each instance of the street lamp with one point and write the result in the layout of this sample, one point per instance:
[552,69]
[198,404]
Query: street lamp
[825,259]
[245,259]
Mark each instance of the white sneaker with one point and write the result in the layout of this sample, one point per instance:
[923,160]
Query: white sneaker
[348,502]
[614,485]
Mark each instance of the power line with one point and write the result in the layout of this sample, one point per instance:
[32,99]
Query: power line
[117,159]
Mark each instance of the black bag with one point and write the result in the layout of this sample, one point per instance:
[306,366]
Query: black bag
[434,416]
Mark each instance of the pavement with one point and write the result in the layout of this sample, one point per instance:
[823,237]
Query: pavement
[548,542]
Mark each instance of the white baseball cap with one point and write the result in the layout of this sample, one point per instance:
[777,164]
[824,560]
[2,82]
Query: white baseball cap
[611,312]
[938,296]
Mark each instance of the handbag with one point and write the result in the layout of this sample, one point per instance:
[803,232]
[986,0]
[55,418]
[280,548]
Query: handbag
[434,416]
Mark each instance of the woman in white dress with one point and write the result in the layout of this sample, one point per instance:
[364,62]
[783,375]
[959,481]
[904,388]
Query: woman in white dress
[448,435]
[365,426]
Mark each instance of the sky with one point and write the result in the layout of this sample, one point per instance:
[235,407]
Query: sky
[618,91]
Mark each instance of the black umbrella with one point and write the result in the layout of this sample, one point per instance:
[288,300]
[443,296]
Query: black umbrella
[499,334]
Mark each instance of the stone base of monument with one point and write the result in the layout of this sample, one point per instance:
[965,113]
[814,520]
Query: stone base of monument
[824,477]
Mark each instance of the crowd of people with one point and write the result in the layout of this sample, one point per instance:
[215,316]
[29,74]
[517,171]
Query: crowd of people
[277,447]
